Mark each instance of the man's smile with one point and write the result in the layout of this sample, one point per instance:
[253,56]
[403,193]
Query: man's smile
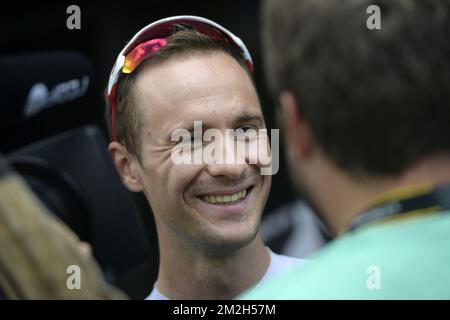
[227,202]
[225,198]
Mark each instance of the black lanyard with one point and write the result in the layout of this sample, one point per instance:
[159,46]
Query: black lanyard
[437,200]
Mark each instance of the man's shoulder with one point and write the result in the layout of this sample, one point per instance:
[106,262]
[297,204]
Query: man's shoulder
[156,295]
[280,263]
[395,253]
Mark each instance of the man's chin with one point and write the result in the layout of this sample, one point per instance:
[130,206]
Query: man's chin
[228,241]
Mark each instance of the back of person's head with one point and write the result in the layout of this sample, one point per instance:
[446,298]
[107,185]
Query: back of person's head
[377,100]
[185,40]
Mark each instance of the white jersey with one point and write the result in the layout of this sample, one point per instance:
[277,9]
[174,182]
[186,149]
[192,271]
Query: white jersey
[278,264]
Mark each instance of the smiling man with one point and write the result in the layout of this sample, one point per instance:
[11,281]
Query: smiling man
[174,73]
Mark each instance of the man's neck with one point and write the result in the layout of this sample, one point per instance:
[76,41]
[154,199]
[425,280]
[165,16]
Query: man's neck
[190,274]
[343,198]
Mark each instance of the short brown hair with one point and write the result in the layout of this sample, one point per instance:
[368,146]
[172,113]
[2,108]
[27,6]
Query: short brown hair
[377,100]
[185,39]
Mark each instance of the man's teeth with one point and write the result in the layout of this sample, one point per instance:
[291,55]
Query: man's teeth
[226,198]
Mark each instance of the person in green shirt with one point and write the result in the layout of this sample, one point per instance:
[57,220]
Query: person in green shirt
[364,93]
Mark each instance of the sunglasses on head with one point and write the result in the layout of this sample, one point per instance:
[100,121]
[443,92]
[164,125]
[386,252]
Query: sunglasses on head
[152,38]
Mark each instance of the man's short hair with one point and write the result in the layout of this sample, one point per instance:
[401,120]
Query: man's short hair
[377,100]
[184,40]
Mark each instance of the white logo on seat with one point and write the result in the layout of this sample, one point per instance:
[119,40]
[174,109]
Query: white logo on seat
[40,97]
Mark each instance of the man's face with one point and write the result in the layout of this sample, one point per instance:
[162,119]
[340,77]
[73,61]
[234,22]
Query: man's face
[212,88]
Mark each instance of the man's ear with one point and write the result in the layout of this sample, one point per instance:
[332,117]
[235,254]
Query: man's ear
[127,166]
[298,135]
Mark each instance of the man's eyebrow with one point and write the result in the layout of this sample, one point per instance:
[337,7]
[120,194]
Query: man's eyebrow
[248,117]
[242,118]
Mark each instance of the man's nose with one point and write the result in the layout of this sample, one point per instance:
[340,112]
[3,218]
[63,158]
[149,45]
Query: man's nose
[232,164]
